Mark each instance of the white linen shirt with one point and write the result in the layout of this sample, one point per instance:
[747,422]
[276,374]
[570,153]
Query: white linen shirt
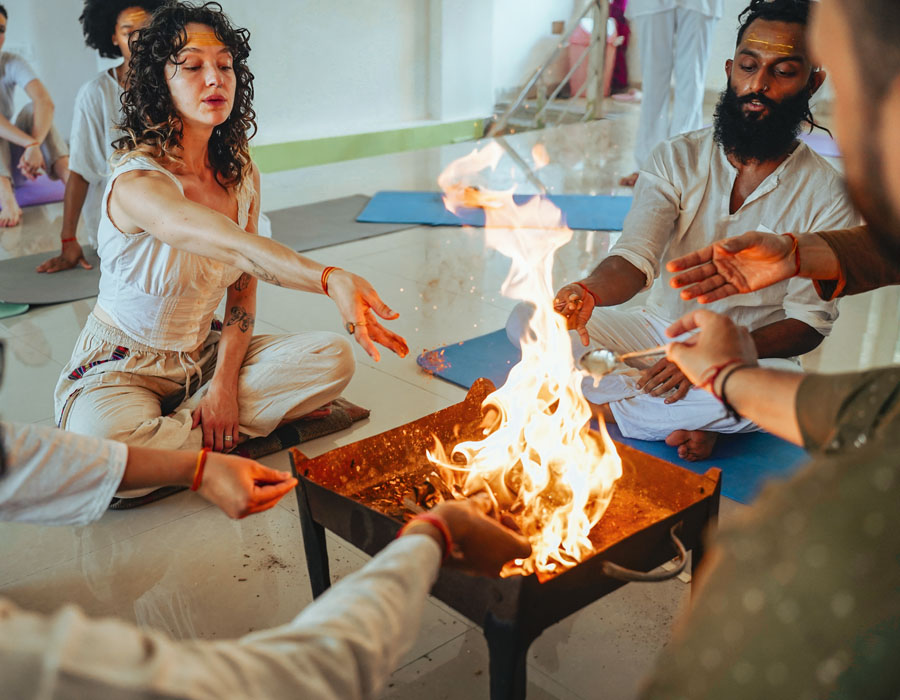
[709,8]
[343,645]
[97,111]
[161,296]
[681,204]
[55,477]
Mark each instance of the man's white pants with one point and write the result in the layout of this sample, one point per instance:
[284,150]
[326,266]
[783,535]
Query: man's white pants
[639,415]
[673,41]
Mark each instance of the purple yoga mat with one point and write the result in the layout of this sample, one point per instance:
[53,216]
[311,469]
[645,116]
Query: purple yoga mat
[40,191]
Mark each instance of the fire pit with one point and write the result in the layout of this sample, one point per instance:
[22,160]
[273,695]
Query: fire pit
[360,491]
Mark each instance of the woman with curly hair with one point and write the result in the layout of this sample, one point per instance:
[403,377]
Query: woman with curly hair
[177,233]
[108,25]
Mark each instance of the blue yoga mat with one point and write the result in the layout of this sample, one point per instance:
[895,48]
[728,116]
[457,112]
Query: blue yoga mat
[580,211]
[747,461]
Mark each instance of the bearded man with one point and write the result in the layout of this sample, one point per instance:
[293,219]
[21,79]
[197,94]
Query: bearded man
[748,172]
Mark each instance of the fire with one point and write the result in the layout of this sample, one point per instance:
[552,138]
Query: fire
[539,460]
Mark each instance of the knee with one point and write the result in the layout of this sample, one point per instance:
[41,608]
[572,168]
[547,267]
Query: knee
[340,359]
[517,323]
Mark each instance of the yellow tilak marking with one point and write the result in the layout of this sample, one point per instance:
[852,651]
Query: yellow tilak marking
[780,49]
[203,39]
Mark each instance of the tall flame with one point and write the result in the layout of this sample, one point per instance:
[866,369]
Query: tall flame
[539,461]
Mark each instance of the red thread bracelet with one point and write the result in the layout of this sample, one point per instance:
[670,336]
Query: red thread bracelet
[198,470]
[714,373]
[68,240]
[326,273]
[593,296]
[441,527]
[795,249]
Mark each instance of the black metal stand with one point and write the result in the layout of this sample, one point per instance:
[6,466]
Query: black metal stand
[314,544]
[508,652]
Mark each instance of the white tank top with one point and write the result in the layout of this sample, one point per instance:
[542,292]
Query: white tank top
[159,295]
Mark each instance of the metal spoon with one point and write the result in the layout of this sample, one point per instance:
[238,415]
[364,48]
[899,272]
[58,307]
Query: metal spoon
[599,362]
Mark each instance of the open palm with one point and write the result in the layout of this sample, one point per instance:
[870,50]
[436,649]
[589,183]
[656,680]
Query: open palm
[737,265]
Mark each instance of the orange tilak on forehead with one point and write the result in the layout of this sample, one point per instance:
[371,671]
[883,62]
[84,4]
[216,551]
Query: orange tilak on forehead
[782,49]
[195,39]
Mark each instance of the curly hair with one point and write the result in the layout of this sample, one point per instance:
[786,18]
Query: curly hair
[150,122]
[98,22]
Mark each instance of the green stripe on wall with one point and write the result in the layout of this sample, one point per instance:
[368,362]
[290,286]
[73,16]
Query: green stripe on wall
[299,154]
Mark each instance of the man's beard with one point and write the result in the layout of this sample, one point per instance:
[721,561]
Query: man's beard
[753,136]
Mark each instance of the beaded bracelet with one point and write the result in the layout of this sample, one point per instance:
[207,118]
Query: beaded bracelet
[326,273]
[441,527]
[198,470]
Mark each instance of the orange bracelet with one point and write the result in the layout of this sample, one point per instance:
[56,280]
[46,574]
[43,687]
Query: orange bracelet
[795,250]
[326,273]
[67,240]
[33,143]
[441,527]
[198,470]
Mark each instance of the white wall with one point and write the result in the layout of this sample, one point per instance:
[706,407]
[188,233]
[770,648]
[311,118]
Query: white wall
[47,34]
[522,38]
[326,68]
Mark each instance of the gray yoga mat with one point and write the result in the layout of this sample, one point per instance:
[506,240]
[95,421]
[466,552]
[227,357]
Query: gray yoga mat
[322,224]
[20,284]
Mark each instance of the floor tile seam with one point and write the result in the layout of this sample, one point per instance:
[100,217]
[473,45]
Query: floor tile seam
[91,552]
[25,338]
[434,649]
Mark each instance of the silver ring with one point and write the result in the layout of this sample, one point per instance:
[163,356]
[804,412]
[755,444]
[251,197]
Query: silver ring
[228,438]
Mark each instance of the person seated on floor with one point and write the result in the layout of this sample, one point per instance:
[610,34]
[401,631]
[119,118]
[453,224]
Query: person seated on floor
[749,171]
[107,27]
[343,645]
[177,232]
[30,142]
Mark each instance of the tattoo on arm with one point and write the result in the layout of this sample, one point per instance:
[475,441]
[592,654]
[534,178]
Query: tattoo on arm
[239,317]
[242,282]
[262,274]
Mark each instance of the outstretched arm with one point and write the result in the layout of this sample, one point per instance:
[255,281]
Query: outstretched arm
[150,201]
[750,262]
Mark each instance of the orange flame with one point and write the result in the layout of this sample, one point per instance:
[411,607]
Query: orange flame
[539,460]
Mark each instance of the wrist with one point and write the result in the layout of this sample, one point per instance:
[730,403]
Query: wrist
[433,526]
[326,274]
[818,260]
[727,373]
[585,287]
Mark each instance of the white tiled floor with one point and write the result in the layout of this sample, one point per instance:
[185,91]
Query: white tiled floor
[182,567]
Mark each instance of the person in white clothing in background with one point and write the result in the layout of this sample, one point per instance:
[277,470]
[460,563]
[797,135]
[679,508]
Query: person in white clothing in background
[748,172]
[177,234]
[108,25]
[674,37]
[29,142]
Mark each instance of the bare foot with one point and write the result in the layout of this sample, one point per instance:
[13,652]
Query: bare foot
[693,445]
[629,180]
[10,213]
